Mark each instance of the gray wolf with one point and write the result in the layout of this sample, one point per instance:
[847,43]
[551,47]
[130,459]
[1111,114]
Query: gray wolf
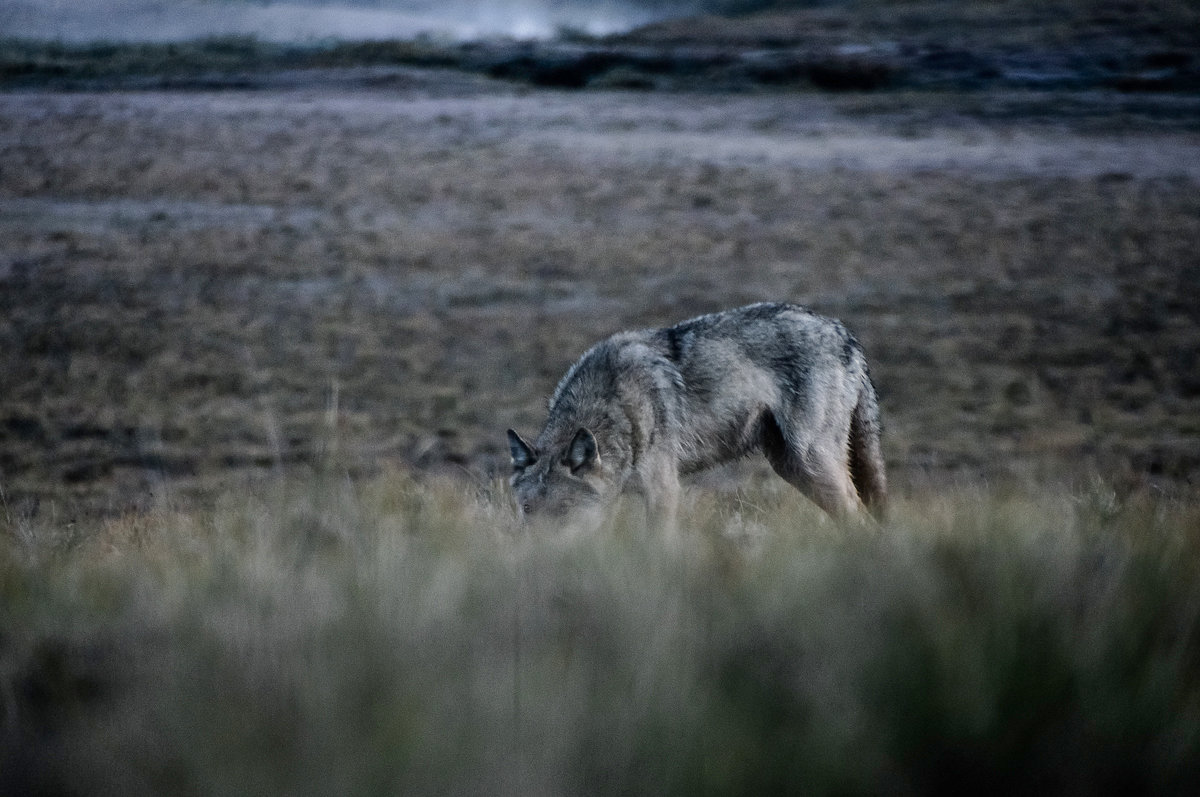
[643,408]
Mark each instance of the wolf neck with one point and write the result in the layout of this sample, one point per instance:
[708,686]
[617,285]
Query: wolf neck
[620,391]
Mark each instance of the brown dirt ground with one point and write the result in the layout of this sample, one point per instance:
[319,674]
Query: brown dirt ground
[199,289]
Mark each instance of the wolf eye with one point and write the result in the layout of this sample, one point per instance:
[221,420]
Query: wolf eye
[525,507]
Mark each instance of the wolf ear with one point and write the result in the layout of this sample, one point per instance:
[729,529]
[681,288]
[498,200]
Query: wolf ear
[582,451]
[523,454]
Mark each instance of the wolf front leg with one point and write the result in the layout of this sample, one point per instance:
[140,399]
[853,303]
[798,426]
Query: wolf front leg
[660,486]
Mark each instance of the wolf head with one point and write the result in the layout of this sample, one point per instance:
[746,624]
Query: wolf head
[564,485]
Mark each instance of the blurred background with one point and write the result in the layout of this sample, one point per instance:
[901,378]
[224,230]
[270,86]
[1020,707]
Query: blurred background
[161,20]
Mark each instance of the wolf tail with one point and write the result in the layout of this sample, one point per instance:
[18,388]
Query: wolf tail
[866,456]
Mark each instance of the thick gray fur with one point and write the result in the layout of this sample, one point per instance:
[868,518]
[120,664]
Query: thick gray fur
[640,409]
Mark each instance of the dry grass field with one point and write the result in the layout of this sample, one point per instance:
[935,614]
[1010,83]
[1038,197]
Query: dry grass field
[195,283]
[258,347]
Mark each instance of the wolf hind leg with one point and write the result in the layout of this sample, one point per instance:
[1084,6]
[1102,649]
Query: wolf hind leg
[866,456]
[822,473]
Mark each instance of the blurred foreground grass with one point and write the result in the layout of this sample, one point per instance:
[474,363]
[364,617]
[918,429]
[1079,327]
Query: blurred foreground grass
[393,636]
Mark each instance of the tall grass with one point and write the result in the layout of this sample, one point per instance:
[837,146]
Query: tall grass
[392,636]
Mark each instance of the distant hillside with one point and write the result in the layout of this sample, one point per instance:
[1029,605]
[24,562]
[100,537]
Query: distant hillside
[861,45]
[1011,23]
